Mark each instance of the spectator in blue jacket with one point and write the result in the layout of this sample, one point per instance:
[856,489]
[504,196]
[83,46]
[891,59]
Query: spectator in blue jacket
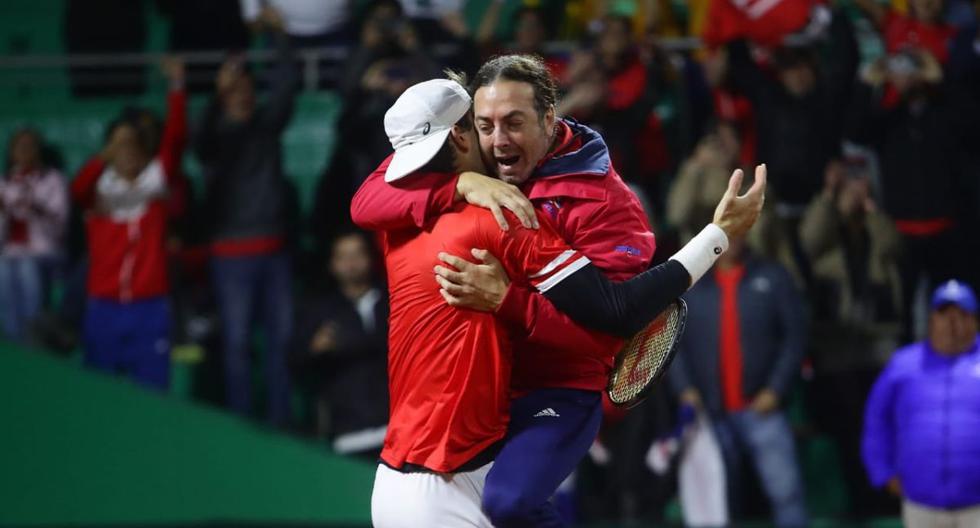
[739,357]
[921,423]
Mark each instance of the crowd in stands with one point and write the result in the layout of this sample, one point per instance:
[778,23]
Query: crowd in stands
[863,110]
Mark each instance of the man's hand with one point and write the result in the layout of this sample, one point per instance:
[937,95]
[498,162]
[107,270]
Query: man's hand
[229,72]
[736,214]
[894,486]
[765,402]
[272,19]
[693,398]
[477,286]
[833,177]
[324,340]
[455,24]
[496,195]
[173,69]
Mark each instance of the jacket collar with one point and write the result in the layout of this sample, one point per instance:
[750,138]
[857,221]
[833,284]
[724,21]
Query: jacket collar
[751,262]
[581,155]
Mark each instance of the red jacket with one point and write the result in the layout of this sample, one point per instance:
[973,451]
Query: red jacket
[127,236]
[594,211]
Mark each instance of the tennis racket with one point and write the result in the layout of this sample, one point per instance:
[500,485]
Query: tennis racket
[646,356]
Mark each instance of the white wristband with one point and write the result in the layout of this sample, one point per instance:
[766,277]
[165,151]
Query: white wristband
[698,255]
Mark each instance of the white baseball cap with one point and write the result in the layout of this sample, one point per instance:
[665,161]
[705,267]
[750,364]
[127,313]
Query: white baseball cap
[420,121]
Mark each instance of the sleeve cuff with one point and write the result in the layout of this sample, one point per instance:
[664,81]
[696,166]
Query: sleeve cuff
[698,255]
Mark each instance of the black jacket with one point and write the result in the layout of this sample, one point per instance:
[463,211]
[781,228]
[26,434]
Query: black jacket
[353,377]
[797,136]
[245,191]
[923,149]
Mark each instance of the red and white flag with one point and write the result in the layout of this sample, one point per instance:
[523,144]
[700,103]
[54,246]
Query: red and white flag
[763,21]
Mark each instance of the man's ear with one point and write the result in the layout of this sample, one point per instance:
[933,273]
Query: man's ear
[550,118]
[460,139]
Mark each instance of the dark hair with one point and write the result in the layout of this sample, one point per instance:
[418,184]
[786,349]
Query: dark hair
[547,23]
[445,160]
[144,135]
[626,21]
[349,230]
[148,122]
[529,69]
[49,155]
[367,9]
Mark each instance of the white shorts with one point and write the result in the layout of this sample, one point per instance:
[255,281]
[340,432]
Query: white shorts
[919,516]
[428,500]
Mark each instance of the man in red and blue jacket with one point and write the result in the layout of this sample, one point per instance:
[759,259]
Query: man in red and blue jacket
[128,194]
[560,368]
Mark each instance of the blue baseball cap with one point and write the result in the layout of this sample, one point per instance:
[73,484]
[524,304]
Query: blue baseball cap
[955,292]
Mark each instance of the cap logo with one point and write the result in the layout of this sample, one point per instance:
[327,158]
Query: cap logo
[426,128]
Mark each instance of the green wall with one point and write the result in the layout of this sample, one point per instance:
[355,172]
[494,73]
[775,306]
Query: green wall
[78,447]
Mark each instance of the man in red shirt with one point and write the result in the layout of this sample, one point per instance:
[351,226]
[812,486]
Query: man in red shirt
[449,369]
[561,367]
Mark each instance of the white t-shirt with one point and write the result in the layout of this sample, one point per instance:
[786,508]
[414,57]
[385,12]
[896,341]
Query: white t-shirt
[303,17]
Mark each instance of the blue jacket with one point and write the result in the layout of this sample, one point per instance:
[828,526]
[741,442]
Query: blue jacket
[922,424]
[772,328]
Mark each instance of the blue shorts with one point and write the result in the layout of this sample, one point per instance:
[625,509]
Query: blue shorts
[550,432]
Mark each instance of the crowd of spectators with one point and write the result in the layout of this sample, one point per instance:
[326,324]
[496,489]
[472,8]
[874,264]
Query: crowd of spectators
[862,110]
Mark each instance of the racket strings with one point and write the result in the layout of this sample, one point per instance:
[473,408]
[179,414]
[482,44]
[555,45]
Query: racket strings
[644,358]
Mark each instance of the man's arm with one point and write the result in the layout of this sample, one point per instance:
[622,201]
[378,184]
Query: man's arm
[878,439]
[744,73]
[819,229]
[83,186]
[284,79]
[793,336]
[617,238]
[405,203]
[416,199]
[579,289]
[174,136]
[678,375]
[485,286]
[619,308]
